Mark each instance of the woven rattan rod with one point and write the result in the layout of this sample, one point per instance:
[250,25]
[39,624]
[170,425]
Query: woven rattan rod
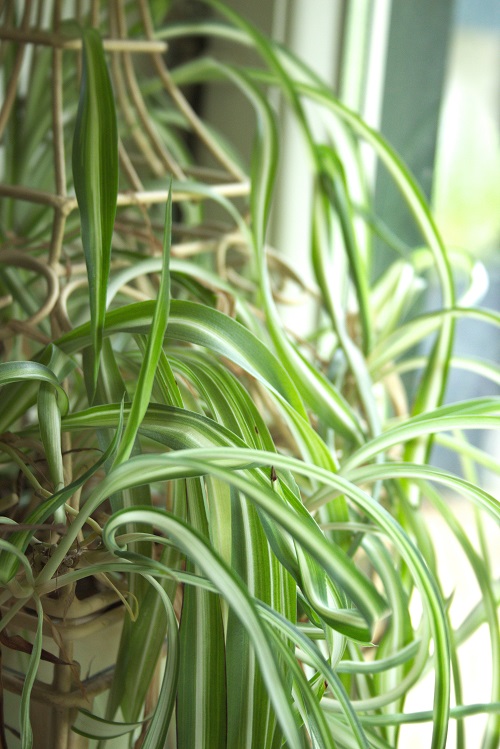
[36,36]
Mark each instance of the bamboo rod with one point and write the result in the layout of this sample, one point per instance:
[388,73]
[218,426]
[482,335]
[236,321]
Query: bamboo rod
[10,93]
[59,41]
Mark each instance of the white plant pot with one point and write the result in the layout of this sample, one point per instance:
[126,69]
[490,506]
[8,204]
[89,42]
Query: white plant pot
[88,634]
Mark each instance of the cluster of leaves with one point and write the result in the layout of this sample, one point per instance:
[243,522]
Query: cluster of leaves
[260,494]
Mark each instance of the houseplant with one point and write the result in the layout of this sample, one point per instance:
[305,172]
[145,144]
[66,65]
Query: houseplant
[252,500]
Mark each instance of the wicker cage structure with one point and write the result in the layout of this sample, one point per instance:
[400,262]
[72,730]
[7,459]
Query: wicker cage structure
[41,62]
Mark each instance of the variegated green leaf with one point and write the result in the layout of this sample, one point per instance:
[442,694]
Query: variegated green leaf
[95,174]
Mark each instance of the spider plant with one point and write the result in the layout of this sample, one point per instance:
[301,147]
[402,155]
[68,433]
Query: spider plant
[254,500]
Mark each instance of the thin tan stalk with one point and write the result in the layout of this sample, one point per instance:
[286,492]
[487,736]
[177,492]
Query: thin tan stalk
[57,110]
[42,197]
[62,304]
[128,168]
[94,13]
[151,197]
[169,163]
[58,41]
[56,242]
[10,93]
[62,682]
[21,260]
[19,327]
[58,144]
[191,249]
[133,177]
[184,106]
[130,117]
[46,694]
[5,301]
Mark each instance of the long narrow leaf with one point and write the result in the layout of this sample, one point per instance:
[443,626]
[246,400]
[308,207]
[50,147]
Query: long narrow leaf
[49,418]
[154,346]
[180,429]
[23,371]
[34,660]
[372,509]
[202,682]
[202,326]
[230,588]
[95,173]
